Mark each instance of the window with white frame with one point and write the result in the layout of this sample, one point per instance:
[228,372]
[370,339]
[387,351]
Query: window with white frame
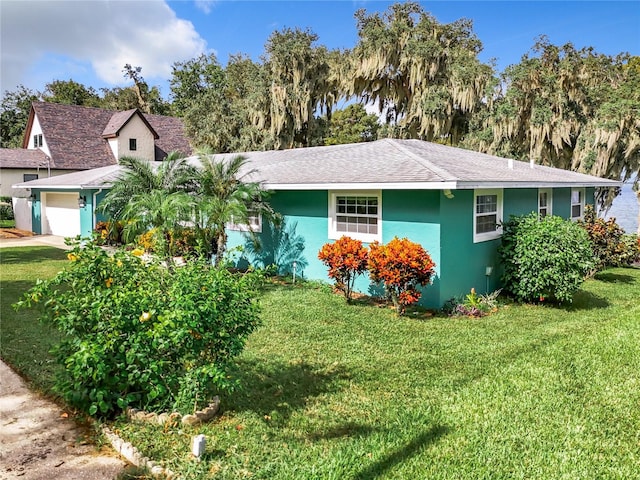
[577,203]
[37,140]
[487,215]
[356,215]
[254,223]
[545,202]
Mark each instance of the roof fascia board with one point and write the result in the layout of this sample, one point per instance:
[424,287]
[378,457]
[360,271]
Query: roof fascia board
[604,183]
[49,187]
[27,130]
[362,186]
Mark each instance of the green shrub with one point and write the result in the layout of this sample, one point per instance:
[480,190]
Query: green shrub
[6,211]
[607,241]
[544,259]
[139,335]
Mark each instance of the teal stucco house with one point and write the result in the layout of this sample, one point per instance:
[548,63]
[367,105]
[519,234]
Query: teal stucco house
[451,201]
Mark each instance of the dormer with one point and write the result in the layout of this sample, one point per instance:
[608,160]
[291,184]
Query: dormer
[129,134]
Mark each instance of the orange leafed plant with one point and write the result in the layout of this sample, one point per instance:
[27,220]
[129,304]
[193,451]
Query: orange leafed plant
[346,259]
[401,265]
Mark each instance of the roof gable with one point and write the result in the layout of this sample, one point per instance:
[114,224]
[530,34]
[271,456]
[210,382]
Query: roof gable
[119,119]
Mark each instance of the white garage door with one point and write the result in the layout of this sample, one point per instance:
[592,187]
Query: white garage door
[61,215]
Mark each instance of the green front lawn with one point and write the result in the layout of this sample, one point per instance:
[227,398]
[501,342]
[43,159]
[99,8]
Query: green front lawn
[25,342]
[332,391]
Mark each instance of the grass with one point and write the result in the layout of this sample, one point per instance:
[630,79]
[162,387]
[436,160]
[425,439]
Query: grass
[332,391]
[7,223]
[25,342]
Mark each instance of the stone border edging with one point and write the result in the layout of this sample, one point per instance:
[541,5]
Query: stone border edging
[133,455]
[197,417]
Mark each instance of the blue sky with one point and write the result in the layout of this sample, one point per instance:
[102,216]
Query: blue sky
[90,41]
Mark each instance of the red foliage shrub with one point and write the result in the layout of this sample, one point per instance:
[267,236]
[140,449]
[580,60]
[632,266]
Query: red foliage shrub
[608,241]
[401,265]
[346,259]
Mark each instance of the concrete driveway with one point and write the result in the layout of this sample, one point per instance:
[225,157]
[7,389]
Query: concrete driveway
[35,240]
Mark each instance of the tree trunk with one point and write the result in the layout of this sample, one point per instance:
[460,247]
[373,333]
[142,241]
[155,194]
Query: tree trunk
[638,198]
[221,245]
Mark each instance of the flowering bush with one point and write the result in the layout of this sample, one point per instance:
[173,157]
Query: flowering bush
[183,242]
[140,335]
[109,233]
[544,258]
[346,259]
[401,265]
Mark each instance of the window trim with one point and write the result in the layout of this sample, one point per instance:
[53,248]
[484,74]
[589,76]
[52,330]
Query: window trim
[334,234]
[133,144]
[581,191]
[486,236]
[37,140]
[241,227]
[549,192]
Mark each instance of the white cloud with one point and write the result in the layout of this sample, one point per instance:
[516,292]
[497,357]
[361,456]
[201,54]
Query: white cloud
[103,34]
[205,6]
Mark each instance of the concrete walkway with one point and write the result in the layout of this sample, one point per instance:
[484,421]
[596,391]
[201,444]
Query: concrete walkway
[38,440]
[34,241]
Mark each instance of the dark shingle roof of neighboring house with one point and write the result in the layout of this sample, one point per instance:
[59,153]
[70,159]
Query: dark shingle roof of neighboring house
[22,158]
[75,134]
[383,164]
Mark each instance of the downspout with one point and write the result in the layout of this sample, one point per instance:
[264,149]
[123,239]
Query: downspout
[95,199]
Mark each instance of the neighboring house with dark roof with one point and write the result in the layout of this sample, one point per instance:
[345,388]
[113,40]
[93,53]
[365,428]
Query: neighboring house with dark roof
[451,201]
[61,139]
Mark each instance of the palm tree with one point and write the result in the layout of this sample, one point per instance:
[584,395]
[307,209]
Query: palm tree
[147,196]
[160,211]
[223,198]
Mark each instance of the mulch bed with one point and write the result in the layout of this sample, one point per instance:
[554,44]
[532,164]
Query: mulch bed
[14,233]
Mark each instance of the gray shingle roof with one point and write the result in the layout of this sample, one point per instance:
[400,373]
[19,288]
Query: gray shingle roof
[74,134]
[383,164]
[401,164]
[22,158]
[102,177]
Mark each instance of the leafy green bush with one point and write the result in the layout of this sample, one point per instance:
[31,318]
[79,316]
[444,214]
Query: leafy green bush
[6,211]
[609,246]
[544,258]
[140,335]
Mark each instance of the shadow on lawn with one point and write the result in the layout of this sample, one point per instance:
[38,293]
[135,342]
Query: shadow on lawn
[608,277]
[25,255]
[586,301]
[278,388]
[404,453]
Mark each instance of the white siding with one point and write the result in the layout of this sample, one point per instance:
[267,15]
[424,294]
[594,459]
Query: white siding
[36,129]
